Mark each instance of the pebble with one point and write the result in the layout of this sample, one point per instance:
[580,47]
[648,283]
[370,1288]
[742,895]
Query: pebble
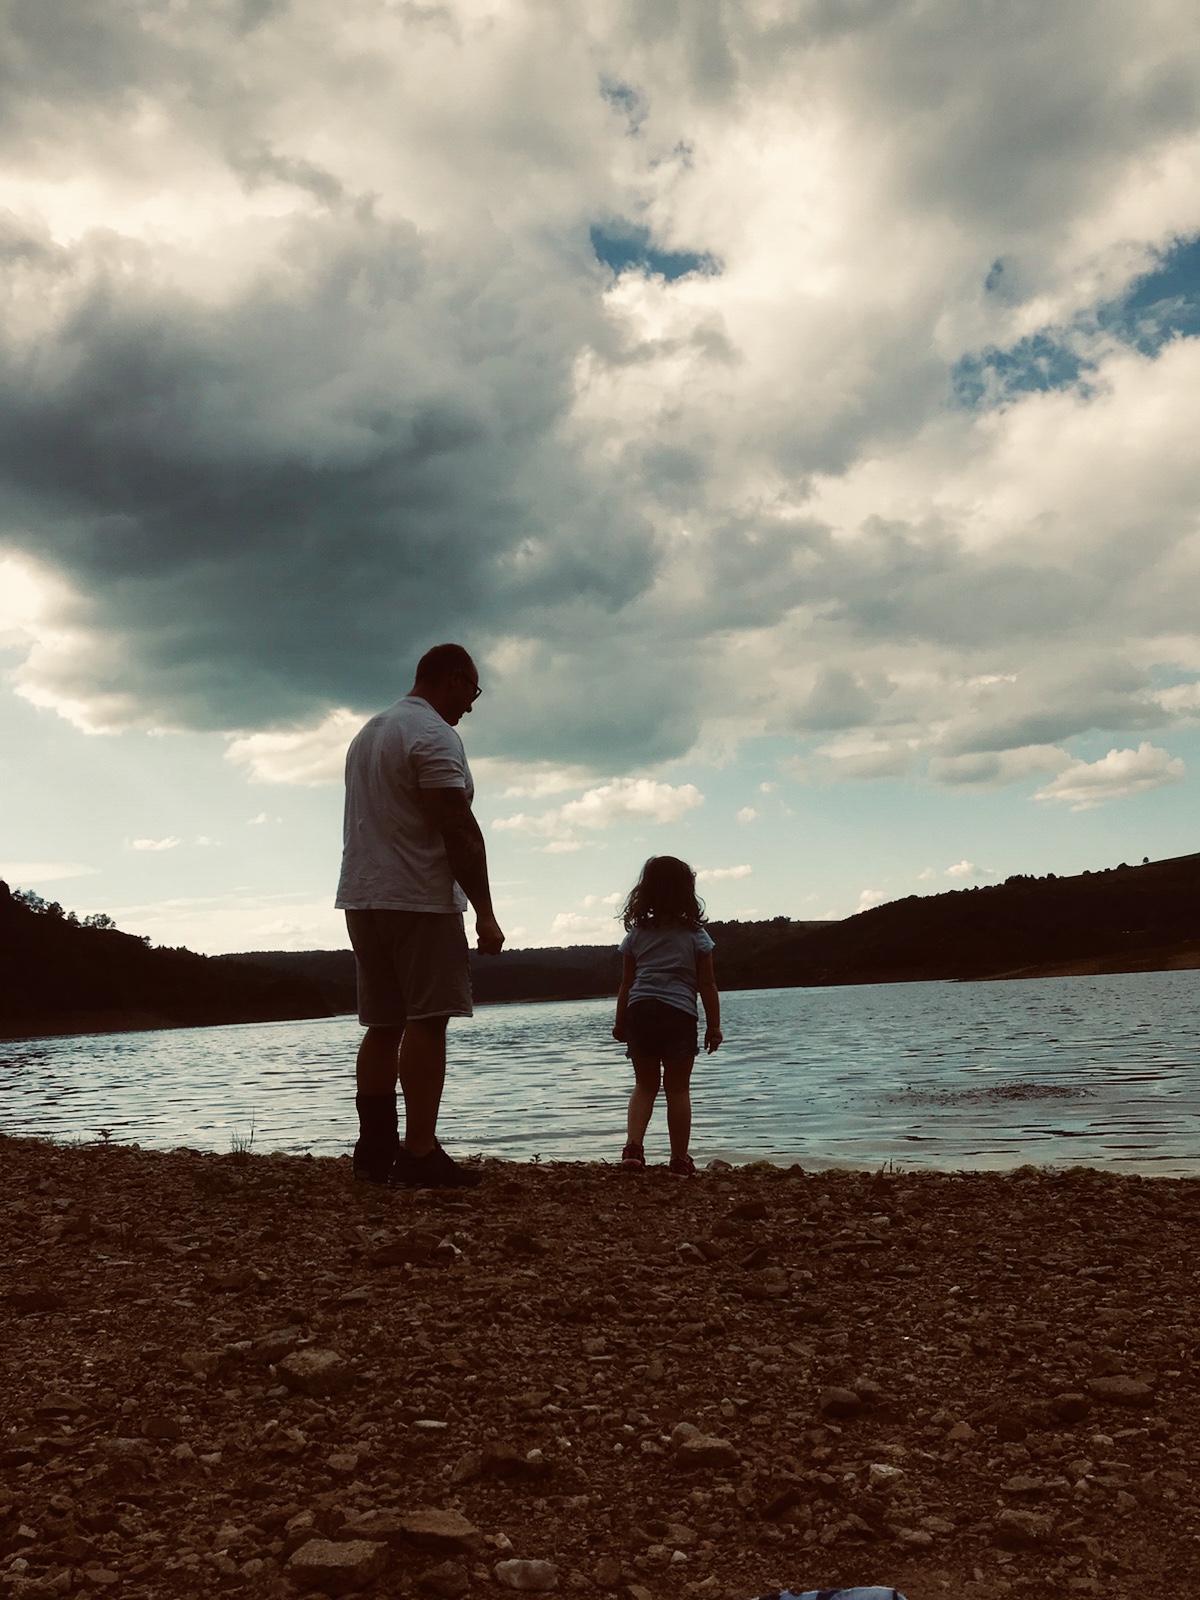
[336,1568]
[316,1372]
[527,1576]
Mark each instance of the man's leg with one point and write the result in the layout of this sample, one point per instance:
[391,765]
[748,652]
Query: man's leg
[378,1139]
[422,1070]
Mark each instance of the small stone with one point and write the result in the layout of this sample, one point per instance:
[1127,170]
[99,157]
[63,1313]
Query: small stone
[1023,1484]
[882,1475]
[448,1579]
[528,1576]
[1070,1407]
[344,1463]
[1121,1391]
[316,1372]
[961,1433]
[942,1527]
[1022,1530]
[835,1402]
[468,1467]
[607,1572]
[162,1428]
[337,1568]
[58,1404]
[503,1460]
[704,1452]
[445,1532]
[1010,1429]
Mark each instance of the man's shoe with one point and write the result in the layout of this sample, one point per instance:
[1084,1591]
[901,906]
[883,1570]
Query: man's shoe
[682,1167]
[435,1170]
[633,1158]
[373,1166]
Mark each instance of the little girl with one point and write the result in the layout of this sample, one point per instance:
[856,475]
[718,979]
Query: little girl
[668,960]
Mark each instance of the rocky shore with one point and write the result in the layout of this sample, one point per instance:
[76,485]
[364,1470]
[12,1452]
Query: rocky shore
[246,1375]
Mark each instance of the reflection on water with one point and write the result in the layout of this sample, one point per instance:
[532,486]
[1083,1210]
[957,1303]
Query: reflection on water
[1104,1071]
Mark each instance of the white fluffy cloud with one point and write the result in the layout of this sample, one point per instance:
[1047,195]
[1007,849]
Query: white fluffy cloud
[723,874]
[169,843]
[632,800]
[306,756]
[311,361]
[1084,784]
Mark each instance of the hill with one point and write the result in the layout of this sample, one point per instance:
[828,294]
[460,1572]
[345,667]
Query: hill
[573,972]
[60,975]
[1126,919]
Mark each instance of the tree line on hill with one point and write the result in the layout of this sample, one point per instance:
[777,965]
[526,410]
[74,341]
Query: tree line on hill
[63,975]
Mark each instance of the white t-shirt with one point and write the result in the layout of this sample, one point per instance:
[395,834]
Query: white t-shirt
[393,859]
[666,962]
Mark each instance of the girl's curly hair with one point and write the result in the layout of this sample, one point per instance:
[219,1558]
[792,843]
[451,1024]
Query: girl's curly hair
[665,892]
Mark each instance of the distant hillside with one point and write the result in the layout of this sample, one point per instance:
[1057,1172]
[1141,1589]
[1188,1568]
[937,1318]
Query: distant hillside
[59,975]
[1126,919]
[574,972]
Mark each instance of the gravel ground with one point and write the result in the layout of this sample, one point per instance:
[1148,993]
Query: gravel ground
[246,1374]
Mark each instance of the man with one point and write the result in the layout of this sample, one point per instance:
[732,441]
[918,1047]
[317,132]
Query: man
[413,856]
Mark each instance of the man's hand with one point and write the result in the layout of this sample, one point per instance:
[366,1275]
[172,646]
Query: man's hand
[712,1039]
[489,935]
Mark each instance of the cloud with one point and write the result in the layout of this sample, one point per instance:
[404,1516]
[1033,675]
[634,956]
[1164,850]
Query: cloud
[722,874]
[963,869]
[1119,774]
[308,756]
[737,371]
[871,897]
[994,768]
[623,800]
[169,843]
[747,814]
[576,928]
[19,873]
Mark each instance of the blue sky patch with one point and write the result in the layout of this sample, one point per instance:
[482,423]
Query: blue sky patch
[622,245]
[1161,305]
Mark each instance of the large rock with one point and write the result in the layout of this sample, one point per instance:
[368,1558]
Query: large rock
[337,1568]
[316,1372]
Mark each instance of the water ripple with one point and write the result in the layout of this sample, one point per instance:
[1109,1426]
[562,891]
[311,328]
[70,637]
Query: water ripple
[1098,1070]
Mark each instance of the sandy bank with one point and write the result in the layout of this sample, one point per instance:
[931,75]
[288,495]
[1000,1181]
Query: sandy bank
[963,1386]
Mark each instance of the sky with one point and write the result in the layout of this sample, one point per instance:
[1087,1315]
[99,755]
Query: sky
[793,407]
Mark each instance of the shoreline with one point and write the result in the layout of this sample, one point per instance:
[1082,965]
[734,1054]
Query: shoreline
[91,1023]
[958,1384]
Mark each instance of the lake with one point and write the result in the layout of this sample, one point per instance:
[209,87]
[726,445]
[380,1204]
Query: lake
[1102,1071]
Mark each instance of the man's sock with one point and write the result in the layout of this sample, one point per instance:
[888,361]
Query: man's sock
[378,1135]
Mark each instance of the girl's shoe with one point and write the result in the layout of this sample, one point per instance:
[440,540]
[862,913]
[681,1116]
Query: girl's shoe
[682,1167]
[633,1158]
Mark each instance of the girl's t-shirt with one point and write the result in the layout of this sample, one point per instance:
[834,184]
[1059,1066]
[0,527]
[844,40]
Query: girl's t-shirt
[666,957]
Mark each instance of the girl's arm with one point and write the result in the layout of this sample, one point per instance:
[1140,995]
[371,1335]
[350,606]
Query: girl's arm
[706,988]
[628,969]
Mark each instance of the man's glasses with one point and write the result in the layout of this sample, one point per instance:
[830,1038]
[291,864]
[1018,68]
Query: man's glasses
[476,689]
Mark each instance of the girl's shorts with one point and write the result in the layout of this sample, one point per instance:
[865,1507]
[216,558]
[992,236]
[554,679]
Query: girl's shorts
[653,1028]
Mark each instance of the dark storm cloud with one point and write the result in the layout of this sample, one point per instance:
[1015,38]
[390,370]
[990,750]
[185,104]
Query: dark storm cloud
[277,501]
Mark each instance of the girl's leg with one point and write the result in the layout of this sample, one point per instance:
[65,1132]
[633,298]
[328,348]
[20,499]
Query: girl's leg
[677,1078]
[641,1101]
